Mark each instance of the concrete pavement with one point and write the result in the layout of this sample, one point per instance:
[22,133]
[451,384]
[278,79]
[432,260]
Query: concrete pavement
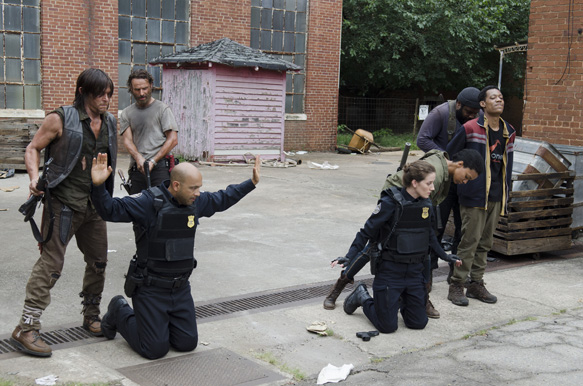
[282,235]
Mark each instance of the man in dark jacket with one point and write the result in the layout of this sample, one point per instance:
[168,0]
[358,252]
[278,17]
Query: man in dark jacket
[483,200]
[163,313]
[71,137]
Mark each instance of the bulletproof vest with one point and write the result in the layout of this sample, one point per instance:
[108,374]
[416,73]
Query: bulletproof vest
[409,240]
[451,120]
[65,151]
[168,246]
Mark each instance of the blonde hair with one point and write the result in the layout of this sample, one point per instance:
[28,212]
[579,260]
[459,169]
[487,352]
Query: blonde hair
[417,171]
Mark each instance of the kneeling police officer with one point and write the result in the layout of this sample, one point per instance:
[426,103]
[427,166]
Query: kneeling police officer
[163,315]
[400,229]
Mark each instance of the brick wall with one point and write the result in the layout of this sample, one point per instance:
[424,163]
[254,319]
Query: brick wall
[76,35]
[322,72]
[553,111]
[213,20]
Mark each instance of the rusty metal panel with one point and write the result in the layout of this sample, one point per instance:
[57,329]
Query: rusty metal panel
[189,93]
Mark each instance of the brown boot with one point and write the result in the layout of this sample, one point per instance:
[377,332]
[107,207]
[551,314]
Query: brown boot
[330,301]
[30,342]
[477,290]
[456,294]
[93,325]
[430,310]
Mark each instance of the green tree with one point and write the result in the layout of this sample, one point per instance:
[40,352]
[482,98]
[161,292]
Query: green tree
[429,45]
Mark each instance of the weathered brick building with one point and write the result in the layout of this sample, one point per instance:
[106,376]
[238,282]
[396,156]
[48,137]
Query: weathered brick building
[49,42]
[554,74]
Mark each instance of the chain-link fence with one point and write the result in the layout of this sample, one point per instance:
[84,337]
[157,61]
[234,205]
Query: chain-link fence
[371,114]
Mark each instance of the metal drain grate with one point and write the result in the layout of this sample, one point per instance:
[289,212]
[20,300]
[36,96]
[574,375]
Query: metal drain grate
[65,337]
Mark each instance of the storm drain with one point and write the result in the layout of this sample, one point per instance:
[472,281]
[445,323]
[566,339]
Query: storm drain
[213,367]
[72,336]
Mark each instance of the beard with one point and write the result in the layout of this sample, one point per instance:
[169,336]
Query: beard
[460,116]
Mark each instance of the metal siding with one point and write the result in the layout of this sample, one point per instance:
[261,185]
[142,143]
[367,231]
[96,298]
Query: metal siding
[190,95]
[249,111]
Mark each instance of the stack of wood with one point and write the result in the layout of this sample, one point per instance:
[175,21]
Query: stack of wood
[15,135]
[541,202]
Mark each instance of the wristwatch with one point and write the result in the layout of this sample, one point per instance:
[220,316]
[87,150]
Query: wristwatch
[152,161]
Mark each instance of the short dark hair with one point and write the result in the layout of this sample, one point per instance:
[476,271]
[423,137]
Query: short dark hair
[417,171]
[139,74]
[471,159]
[93,82]
[484,91]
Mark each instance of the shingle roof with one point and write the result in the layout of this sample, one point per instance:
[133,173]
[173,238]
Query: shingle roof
[226,51]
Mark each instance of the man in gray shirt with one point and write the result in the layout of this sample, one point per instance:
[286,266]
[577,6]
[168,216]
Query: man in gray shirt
[149,132]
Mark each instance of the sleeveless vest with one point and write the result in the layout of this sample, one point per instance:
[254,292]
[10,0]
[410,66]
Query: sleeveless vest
[65,151]
[409,240]
[168,246]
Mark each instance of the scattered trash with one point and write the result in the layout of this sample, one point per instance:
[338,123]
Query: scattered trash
[205,343]
[334,374]
[111,250]
[325,166]
[318,327]
[9,189]
[301,152]
[365,336]
[48,380]
[6,173]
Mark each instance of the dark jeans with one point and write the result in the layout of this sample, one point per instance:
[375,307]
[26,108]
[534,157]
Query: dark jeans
[161,318]
[394,281]
[158,175]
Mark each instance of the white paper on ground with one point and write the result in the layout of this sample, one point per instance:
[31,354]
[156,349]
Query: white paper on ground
[334,374]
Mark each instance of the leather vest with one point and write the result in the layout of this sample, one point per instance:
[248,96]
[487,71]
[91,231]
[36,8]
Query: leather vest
[168,246]
[409,240]
[65,151]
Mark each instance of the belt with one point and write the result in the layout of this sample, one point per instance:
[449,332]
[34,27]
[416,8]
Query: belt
[162,282]
[404,260]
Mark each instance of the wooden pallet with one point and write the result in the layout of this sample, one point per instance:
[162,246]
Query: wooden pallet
[538,220]
[15,135]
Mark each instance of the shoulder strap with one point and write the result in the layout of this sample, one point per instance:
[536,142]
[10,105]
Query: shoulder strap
[396,194]
[451,121]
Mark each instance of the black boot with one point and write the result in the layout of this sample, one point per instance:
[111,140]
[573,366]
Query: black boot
[330,301]
[109,321]
[356,299]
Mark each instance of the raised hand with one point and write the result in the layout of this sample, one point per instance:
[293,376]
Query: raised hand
[99,170]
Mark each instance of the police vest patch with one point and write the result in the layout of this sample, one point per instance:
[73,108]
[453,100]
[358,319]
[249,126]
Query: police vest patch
[377,209]
[190,223]
[425,212]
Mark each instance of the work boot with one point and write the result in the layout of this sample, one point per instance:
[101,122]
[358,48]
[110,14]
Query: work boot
[430,310]
[109,321]
[356,299]
[93,325]
[30,342]
[477,290]
[456,294]
[330,301]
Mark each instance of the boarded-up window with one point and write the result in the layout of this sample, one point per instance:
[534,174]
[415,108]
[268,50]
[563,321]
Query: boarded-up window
[20,72]
[149,29]
[279,28]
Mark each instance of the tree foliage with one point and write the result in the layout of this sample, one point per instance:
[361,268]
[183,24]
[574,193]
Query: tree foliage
[429,45]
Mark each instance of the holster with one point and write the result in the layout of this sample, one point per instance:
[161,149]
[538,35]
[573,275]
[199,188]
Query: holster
[134,278]
[65,223]
[374,253]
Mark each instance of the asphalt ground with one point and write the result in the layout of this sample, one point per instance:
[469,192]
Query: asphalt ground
[283,235]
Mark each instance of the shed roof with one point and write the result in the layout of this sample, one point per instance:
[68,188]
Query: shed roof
[226,51]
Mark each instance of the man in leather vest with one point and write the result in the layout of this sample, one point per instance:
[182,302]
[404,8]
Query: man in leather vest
[71,136]
[163,315]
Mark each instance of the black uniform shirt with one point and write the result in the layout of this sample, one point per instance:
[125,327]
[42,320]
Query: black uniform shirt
[139,208]
[385,213]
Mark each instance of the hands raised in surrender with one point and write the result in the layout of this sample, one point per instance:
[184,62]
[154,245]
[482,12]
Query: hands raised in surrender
[99,170]
[256,170]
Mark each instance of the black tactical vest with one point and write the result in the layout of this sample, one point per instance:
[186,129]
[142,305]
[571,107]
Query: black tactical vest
[409,240]
[168,246]
[65,150]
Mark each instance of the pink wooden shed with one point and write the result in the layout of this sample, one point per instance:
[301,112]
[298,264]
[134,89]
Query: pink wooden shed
[228,99]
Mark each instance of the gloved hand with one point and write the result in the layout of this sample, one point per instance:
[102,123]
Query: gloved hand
[455,259]
[342,260]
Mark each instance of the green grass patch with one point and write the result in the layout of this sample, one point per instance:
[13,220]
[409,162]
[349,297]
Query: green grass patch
[383,137]
[272,360]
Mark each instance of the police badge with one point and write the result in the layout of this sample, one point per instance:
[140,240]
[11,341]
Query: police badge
[190,223]
[425,213]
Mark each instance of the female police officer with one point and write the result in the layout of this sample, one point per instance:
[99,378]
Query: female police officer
[401,228]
